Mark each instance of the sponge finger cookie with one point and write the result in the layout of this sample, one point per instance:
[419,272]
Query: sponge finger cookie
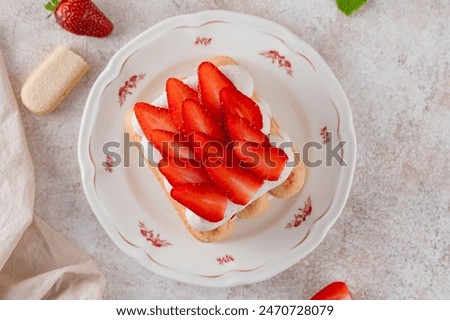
[52,80]
[293,184]
[255,209]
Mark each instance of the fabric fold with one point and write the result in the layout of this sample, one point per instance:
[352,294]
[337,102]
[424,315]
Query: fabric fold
[46,266]
[35,261]
[16,171]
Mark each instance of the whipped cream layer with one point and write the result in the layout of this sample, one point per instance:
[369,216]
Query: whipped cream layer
[244,83]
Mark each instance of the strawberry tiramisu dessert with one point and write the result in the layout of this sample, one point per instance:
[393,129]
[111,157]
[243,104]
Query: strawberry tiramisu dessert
[220,154]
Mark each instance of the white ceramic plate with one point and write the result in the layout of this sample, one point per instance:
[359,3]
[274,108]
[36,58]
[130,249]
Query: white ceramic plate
[305,98]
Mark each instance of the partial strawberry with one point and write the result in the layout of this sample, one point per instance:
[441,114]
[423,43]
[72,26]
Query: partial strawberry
[197,119]
[177,92]
[265,161]
[170,144]
[239,128]
[205,200]
[153,118]
[205,147]
[81,17]
[239,184]
[235,102]
[210,81]
[181,171]
[334,291]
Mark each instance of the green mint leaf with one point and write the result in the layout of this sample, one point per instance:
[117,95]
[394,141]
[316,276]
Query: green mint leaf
[350,6]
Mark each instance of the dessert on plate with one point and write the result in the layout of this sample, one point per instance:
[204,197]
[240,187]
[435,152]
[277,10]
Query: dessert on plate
[221,155]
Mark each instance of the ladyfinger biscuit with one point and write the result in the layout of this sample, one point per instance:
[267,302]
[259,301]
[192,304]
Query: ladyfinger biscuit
[52,80]
[255,209]
[294,182]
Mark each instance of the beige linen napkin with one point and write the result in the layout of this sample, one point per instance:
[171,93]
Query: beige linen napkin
[35,261]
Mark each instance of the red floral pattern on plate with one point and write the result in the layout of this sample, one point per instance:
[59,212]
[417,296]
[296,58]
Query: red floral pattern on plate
[149,235]
[325,135]
[131,83]
[281,60]
[300,217]
[202,41]
[225,259]
[109,164]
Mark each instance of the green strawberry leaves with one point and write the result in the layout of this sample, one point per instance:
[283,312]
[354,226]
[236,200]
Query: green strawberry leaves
[350,6]
[52,5]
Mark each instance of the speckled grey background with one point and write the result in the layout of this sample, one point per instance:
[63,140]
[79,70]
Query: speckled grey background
[392,58]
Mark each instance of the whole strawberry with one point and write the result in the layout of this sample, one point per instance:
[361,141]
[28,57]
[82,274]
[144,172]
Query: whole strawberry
[81,17]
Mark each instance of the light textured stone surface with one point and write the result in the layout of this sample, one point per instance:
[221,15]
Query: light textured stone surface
[392,58]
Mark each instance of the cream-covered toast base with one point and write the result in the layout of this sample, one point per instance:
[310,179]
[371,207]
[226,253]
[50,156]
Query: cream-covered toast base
[290,182]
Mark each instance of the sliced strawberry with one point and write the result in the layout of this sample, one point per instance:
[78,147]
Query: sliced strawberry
[196,118]
[205,200]
[231,158]
[239,128]
[265,161]
[153,118]
[334,291]
[170,144]
[235,102]
[177,92]
[181,171]
[210,81]
[205,147]
[239,184]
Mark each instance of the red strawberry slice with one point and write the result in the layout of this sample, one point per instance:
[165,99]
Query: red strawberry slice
[239,184]
[205,200]
[181,171]
[170,144]
[153,118]
[334,291]
[235,102]
[231,158]
[197,119]
[205,147]
[177,92]
[239,128]
[81,17]
[211,80]
[265,161]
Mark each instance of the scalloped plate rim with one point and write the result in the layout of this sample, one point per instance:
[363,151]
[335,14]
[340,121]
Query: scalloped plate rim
[318,230]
